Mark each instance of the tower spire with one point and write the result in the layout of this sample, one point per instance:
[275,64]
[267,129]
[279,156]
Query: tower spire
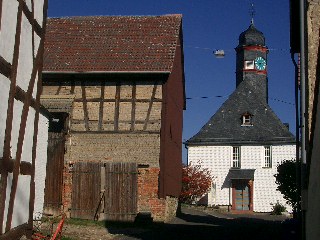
[252,12]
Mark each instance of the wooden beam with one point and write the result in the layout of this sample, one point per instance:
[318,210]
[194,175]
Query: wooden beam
[85,106]
[23,125]
[21,95]
[36,121]
[121,100]
[101,107]
[117,108]
[133,107]
[7,136]
[30,16]
[5,67]
[112,122]
[150,106]
[117,132]
[17,232]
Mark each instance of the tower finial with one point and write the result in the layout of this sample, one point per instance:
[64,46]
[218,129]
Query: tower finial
[252,12]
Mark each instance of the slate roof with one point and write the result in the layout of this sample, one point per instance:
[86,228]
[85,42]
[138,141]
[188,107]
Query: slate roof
[111,43]
[251,36]
[225,126]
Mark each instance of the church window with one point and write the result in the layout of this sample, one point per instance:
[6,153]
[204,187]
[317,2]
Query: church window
[267,157]
[236,157]
[249,64]
[246,119]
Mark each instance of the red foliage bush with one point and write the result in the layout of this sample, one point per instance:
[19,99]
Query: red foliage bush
[196,182]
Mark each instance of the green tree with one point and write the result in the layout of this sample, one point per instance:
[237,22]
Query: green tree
[286,178]
[196,182]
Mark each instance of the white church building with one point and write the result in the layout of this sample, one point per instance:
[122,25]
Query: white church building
[244,141]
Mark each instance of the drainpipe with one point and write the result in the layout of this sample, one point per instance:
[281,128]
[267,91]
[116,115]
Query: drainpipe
[304,133]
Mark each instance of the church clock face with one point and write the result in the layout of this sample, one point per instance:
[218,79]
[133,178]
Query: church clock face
[260,63]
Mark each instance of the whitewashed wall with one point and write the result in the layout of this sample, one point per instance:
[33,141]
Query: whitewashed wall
[218,160]
[28,48]
[41,163]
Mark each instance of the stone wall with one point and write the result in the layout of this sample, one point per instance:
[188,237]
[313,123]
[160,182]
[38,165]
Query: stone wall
[116,147]
[312,213]
[313,25]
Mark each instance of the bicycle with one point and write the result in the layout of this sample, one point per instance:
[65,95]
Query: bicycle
[43,226]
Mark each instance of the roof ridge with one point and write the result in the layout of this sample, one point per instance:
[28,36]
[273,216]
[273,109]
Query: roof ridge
[120,16]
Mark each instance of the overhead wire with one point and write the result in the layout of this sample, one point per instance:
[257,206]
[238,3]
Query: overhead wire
[221,96]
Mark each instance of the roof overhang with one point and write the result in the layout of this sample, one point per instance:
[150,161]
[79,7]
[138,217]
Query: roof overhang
[238,174]
[106,72]
[161,76]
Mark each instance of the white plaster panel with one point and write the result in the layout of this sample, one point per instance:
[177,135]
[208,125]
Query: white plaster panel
[35,89]
[37,40]
[21,204]
[28,137]
[4,93]
[217,160]
[25,63]
[17,112]
[41,163]
[38,11]
[8,29]
[8,191]
[29,5]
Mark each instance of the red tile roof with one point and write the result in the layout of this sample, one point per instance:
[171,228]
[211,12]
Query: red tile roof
[111,43]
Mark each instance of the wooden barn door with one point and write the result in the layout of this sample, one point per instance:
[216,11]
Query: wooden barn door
[58,127]
[86,182]
[54,173]
[121,188]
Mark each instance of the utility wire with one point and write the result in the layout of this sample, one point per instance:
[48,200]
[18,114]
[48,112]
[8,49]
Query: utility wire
[220,96]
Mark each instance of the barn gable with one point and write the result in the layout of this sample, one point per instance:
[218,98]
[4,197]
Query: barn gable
[120,81]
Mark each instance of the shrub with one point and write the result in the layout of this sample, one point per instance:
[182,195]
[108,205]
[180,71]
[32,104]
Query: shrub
[286,180]
[196,182]
[278,209]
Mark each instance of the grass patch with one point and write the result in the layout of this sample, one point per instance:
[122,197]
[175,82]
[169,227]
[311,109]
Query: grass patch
[67,238]
[84,222]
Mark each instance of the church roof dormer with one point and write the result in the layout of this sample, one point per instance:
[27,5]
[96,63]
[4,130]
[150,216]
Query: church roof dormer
[251,36]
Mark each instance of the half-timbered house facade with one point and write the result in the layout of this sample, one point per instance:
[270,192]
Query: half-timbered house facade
[23,121]
[115,86]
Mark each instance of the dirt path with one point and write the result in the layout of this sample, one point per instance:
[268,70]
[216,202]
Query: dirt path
[191,224]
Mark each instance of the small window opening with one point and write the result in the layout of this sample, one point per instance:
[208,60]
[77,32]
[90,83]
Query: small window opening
[246,119]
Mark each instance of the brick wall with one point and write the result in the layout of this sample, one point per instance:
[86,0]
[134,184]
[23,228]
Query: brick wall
[148,201]
[162,209]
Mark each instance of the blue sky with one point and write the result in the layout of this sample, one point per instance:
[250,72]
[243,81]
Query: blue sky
[210,25]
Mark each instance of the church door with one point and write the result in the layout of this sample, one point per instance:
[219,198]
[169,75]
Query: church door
[241,195]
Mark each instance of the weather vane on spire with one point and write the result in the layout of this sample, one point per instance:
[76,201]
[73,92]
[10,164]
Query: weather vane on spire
[252,12]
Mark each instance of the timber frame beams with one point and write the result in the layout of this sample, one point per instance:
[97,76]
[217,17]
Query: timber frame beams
[16,166]
[108,105]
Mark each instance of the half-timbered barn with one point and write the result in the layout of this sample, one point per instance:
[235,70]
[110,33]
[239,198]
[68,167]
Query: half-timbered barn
[115,86]
[23,121]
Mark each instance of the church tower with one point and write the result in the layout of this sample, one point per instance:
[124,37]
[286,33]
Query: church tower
[251,62]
